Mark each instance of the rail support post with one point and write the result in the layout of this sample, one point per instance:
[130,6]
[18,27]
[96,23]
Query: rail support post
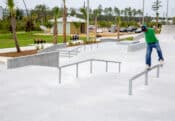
[77,70]
[106,66]
[91,66]
[130,87]
[119,67]
[158,71]
[146,78]
[59,75]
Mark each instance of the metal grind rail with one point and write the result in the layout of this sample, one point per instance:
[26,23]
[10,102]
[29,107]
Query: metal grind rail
[91,66]
[146,72]
[70,53]
[73,52]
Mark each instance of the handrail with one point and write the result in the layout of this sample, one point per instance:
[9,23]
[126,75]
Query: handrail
[91,66]
[146,76]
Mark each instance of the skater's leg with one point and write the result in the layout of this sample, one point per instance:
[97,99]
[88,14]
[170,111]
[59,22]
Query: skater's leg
[148,54]
[159,52]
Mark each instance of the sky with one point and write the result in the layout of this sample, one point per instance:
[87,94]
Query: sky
[105,3]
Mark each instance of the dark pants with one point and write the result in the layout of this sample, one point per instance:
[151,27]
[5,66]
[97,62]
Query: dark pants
[149,52]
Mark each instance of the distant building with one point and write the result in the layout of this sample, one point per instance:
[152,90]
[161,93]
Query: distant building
[71,27]
[1,13]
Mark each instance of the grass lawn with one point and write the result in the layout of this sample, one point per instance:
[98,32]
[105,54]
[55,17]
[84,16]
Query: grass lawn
[127,39]
[26,38]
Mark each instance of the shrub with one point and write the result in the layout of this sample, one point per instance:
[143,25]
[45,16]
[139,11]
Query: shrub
[174,20]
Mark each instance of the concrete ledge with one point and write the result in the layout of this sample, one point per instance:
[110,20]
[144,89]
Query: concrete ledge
[108,39]
[136,46]
[45,59]
[53,48]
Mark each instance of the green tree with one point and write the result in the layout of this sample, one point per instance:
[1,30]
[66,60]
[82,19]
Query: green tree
[73,12]
[29,24]
[11,8]
[108,11]
[19,14]
[129,13]
[126,14]
[96,14]
[41,11]
[140,13]
[173,20]
[156,6]
[100,9]
[116,11]
[83,11]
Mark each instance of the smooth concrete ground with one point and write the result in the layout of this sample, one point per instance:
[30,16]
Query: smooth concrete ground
[32,93]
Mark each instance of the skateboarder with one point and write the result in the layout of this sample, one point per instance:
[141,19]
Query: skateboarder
[152,42]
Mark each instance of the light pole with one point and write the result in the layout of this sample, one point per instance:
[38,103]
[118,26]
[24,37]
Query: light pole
[143,11]
[167,11]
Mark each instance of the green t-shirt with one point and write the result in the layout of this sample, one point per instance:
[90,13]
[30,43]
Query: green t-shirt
[150,36]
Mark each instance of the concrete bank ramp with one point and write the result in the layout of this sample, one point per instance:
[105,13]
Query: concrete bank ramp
[50,59]
[168,29]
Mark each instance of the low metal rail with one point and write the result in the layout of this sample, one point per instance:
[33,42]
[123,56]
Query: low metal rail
[91,66]
[70,53]
[146,72]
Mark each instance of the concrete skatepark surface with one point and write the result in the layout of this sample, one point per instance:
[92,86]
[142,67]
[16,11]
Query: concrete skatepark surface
[32,93]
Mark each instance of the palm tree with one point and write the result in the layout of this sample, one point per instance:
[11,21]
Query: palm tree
[126,13]
[100,9]
[83,11]
[140,13]
[129,13]
[156,6]
[55,31]
[118,26]
[117,11]
[134,12]
[96,14]
[64,21]
[29,23]
[41,11]
[73,12]
[11,5]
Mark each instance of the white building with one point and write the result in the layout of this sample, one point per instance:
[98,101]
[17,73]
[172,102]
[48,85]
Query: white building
[70,25]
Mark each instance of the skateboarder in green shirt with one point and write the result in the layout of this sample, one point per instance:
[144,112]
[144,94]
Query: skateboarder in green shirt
[152,42]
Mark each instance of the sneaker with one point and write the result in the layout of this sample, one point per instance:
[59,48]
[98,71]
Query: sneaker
[147,67]
[161,62]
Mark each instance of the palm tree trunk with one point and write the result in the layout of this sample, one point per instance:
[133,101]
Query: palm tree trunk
[118,29]
[64,24]
[55,32]
[13,24]
[157,20]
[118,32]
[95,28]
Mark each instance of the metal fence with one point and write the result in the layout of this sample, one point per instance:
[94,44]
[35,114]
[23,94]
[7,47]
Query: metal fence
[146,72]
[91,66]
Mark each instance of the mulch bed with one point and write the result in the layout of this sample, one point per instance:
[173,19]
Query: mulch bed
[22,53]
